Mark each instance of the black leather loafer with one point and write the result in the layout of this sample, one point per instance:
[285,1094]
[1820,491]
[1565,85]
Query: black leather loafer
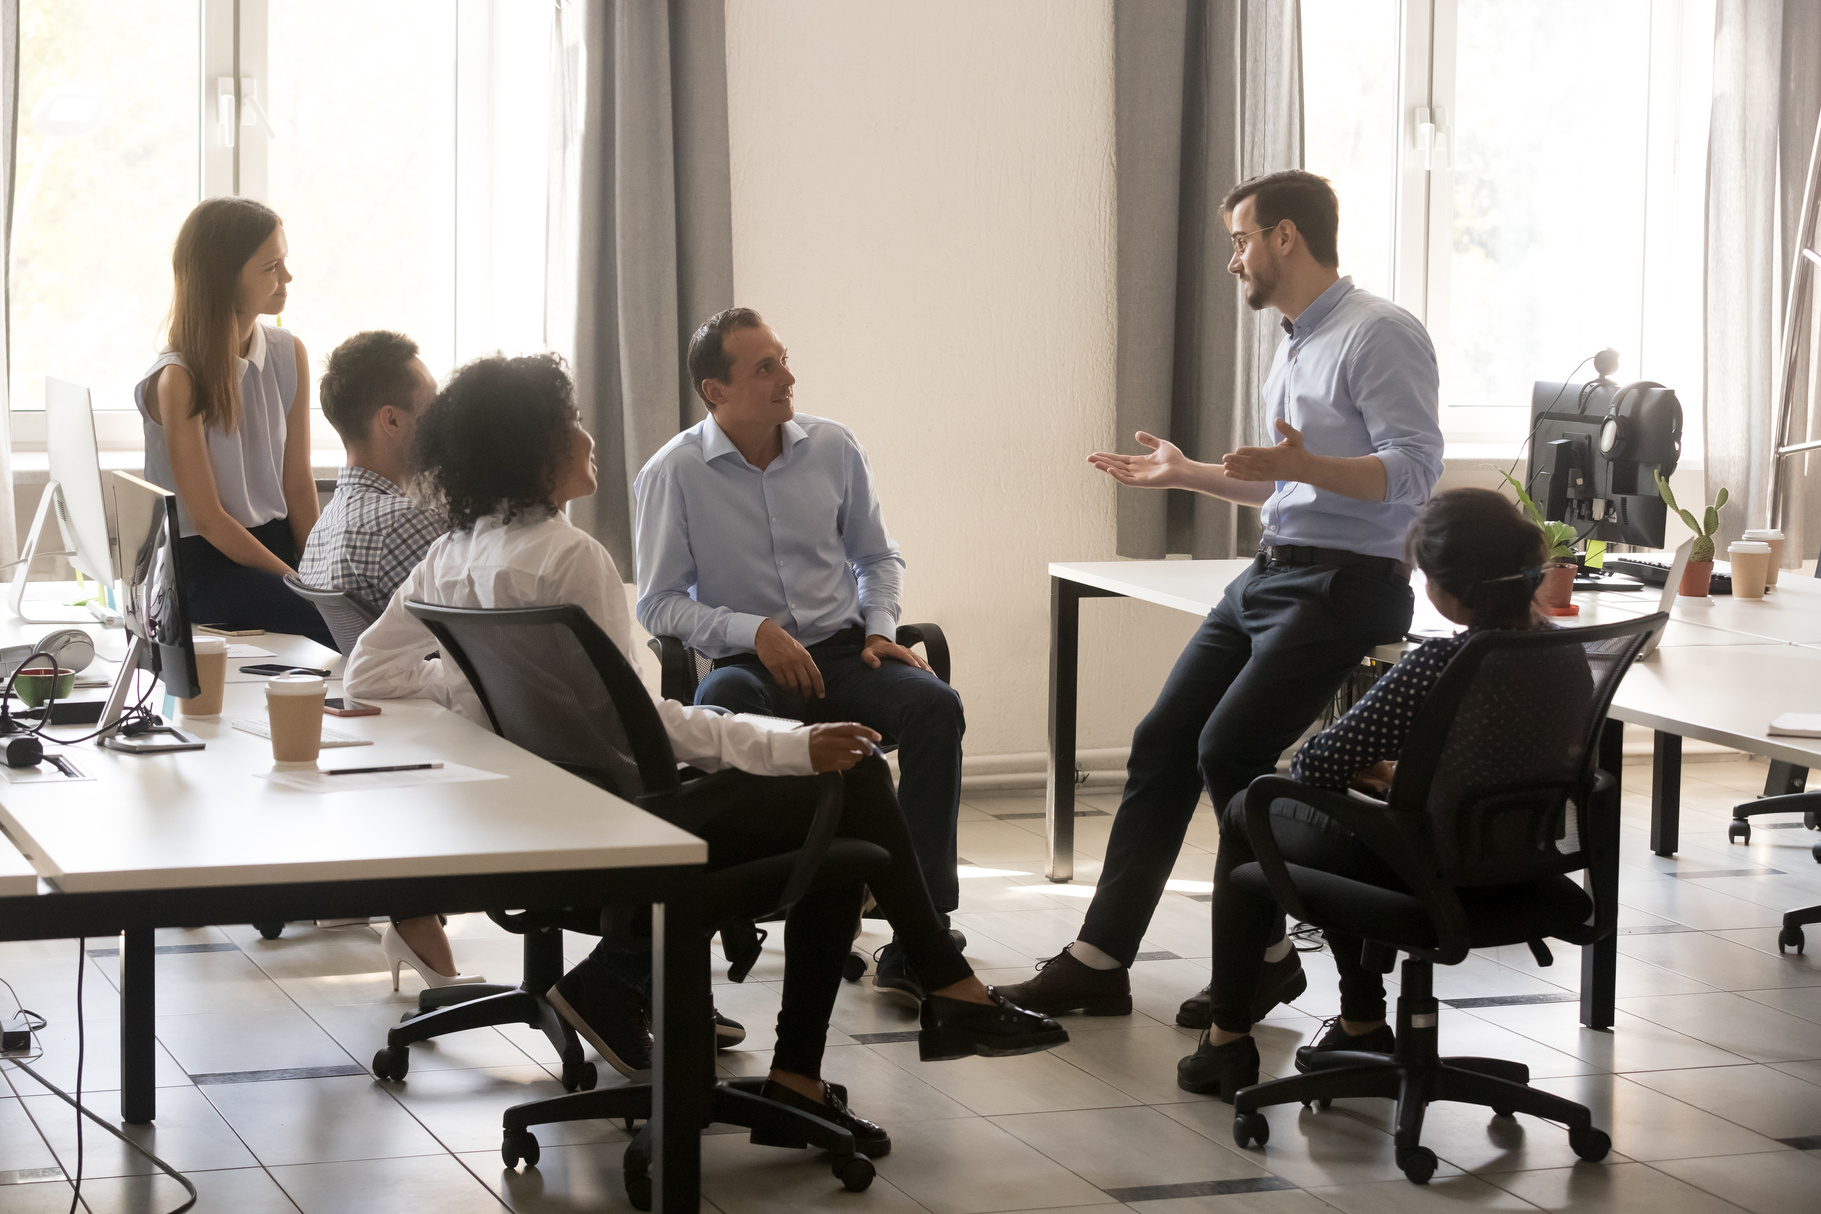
[869,1139]
[955,1028]
[1219,1070]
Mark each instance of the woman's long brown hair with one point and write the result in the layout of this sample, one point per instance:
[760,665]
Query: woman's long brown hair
[216,242]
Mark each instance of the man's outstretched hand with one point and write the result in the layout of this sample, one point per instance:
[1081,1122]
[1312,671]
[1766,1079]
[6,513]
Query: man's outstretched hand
[839,746]
[1284,462]
[1164,468]
[879,648]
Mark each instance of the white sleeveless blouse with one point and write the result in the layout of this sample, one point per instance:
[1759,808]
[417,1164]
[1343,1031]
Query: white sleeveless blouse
[249,463]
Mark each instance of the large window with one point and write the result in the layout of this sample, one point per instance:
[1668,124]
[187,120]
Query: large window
[1527,178]
[405,145]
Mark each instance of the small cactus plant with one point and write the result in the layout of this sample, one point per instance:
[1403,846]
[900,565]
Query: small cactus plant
[1704,527]
[1557,535]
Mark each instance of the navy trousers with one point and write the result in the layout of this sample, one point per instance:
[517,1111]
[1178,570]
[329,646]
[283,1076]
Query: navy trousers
[223,593]
[911,706]
[1258,672]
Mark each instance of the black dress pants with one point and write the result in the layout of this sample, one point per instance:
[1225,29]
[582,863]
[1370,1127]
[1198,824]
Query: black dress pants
[769,815]
[1246,923]
[1262,666]
[230,595]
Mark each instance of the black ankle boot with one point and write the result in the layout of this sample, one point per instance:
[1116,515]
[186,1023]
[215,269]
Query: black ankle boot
[1219,1070]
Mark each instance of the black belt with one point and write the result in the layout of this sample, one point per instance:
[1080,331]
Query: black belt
[1300,555]
[851,637]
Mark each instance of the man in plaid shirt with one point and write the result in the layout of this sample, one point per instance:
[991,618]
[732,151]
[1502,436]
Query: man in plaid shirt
[372,533]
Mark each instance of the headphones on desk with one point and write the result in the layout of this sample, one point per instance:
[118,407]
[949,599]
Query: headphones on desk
[69,648]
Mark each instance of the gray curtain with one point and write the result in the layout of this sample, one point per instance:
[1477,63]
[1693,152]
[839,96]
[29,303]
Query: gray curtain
[1206,93]
[9,129]
[1767,96]
[653,232]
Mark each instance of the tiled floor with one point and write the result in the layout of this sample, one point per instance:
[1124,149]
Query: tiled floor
[1710,1085]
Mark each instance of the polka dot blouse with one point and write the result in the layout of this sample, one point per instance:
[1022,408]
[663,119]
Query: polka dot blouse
[1379,721]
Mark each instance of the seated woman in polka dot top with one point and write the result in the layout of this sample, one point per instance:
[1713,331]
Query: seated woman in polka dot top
[1483,560]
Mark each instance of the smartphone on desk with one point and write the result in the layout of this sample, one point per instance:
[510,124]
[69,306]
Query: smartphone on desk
[277,668]
[221,630]
[336,706]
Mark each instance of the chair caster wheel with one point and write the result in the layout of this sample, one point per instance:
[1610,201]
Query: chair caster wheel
[1811,820]
[1251,1129]
[855,1174]
[1738,831]
[959,937]
[519,1145]
[391,1065]
[1589,1143]
[1416,1163]
[579,1077]
[638,1190]
[271,931]
[1815,851]
[1503,1111]
[1790,937]
[854,968]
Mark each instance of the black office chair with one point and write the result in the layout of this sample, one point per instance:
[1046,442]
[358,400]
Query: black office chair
[346,615]
[1783,794]
[1497,798]
[681,671]
[552,682]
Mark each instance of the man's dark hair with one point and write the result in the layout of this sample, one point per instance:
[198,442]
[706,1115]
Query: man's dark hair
[1478,546]
[708,355]
[1303,198]
[366,373]
[496,437]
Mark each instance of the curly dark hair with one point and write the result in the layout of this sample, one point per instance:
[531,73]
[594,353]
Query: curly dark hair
[496,437]
[1478,546]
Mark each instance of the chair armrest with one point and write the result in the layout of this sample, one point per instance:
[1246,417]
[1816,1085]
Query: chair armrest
[1370,823]
[677,667]
[934,642]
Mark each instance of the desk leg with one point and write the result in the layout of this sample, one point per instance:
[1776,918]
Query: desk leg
[1666,794]
[1600,960]
[1065,663]
[138,1040]
[683,1061]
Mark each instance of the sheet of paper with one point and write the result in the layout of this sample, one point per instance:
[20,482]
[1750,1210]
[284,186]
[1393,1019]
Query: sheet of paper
[238,650]
[316,780]
[1797,725]
[259,727]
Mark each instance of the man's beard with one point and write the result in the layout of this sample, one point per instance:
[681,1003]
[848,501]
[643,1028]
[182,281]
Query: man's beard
[1258,291]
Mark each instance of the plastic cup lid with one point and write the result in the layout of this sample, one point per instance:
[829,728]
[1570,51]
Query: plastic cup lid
[296,685]
[210,644]
[1763,533]
[1748,546]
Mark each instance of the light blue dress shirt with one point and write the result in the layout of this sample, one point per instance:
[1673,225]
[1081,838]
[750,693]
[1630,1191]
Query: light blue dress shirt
[1357,376]
[723,547]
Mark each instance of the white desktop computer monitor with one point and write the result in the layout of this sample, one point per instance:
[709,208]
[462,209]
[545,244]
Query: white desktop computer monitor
[73,496]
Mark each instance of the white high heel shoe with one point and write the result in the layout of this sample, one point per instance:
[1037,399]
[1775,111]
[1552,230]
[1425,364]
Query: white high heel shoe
[400,953]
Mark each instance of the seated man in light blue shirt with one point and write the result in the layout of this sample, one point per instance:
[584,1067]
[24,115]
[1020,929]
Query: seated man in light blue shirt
[1353,395]
[762,546]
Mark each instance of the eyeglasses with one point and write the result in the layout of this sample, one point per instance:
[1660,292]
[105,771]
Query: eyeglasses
[1239,238]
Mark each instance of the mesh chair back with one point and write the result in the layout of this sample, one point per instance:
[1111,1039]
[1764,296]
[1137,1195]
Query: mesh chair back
[346,616]
[554,683]
[1502,752]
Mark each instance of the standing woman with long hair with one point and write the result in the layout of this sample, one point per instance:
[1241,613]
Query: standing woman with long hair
[227,422]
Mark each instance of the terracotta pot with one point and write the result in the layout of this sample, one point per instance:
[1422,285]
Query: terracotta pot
[1557,587]
[1696,578]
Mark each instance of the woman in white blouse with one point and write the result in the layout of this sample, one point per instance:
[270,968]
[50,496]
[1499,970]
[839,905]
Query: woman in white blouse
[226,408]
[504,450]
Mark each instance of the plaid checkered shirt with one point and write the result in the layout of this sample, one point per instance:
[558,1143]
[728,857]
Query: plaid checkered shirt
[369,538]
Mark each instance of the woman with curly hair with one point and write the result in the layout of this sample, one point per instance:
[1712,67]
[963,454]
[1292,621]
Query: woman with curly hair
[503,449]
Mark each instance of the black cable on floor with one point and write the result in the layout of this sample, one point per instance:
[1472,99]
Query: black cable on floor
[161,1165]
[82,969]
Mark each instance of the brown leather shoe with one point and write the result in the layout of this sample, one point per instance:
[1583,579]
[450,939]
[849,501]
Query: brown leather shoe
[1064,984]
[1278,982]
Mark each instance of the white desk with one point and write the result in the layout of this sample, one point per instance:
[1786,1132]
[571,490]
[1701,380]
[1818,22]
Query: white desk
[1725,667]
[195,837]
[18,879]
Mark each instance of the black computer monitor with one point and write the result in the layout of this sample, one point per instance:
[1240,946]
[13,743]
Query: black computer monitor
[1595,449]
[156,612]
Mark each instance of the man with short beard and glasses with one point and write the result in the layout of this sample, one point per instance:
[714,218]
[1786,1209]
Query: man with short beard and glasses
[1352,393]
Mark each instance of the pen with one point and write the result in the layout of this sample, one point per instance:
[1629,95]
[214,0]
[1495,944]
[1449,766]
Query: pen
[373,771]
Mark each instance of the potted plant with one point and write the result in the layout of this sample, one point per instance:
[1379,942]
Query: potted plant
[1697,573]
[1558,564]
